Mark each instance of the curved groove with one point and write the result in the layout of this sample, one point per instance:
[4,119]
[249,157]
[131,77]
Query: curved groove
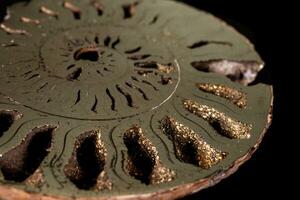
[149,83]
[107,41]
[113,102]
[114,161]
[56,158]
[33,76]
[78,97]
[126,95]
[139,90]
[94,107]
[71,66]
[162,141]
[41,87]
[135,50]
[234,96]
[202,43]
[217,102]
[115,43]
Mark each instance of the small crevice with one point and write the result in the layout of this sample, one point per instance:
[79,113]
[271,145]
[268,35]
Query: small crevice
[144,95]
[94,107]
[33,76]
[98,6]
[23,160]
[129,10]
[113,101]
[78,98]
[154,20]
[74,9]
[202,43]
[107,41]
[71,66]
[96,39]
[75,74]
[135,50]
[126,95]
[115,43]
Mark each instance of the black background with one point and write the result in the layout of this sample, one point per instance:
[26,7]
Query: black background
[268,25]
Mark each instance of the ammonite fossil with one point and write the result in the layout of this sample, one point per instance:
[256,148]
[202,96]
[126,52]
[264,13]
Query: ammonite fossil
[119,99]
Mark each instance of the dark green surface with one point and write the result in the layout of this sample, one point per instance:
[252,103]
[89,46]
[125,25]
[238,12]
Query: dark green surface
[167,40]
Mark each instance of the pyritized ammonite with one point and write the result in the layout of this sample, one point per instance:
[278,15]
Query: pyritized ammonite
[119,99]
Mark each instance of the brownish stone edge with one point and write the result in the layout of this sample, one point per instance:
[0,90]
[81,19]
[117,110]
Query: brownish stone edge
[10,193]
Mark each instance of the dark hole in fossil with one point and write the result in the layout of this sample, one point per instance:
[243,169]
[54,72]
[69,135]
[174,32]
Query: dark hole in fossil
[86,162]
[74,9]
[142,163]
[189,153]
[7,118]
[243,72]
[77,15]
[201,66]
[87,53]
[22,161]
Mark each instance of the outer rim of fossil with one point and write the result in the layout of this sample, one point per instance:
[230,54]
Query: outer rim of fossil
[11,193]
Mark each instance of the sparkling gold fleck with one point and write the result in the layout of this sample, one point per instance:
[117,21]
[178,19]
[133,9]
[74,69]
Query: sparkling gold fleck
[226,125]
[47,11]
[139,147]
[189,146]
[103,182]
[165,68]
[36,179]
[237,97]
[29,20]
[13,31]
